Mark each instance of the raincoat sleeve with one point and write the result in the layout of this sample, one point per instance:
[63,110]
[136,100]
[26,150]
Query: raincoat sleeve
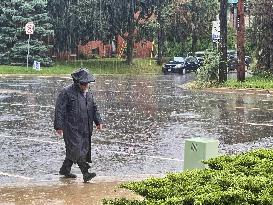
[60,110]
[97,117]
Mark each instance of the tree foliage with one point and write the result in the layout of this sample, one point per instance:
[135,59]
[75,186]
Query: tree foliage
[125,17]
[190,21]
[14,14]
[262,34]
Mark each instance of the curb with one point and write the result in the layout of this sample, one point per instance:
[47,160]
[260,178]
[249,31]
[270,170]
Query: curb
[251,91]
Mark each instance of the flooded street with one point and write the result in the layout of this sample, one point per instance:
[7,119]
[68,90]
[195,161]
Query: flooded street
[147,118]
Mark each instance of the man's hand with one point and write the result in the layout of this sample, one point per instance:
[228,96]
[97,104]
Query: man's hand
[99,127]
[59,132]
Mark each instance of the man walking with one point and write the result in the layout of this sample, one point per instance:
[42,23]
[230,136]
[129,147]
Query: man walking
[75,113]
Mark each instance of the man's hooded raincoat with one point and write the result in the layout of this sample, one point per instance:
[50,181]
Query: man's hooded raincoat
[75,114]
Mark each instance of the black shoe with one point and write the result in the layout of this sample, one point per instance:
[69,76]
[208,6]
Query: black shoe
[68,175]
[88,176]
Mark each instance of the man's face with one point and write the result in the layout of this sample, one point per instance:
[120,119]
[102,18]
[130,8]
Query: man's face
[84,86]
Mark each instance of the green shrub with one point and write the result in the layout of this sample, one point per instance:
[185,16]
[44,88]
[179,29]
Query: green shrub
[207,74]
[241,179]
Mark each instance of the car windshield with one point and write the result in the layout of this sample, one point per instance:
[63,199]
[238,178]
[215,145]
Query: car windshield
[231,52]
[191,59]
[199,54]
[179,59]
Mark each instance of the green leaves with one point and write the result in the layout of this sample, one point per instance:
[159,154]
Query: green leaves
[207,74]
[14,15]
[232,179]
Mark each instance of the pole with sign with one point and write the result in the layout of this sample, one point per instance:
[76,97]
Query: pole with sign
[216,32]
[29,27]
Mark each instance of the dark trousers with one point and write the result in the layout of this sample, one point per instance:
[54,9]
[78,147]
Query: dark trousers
[67,164]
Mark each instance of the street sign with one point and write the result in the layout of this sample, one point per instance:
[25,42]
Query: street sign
[232,1]
[29,27]
[36,65]
[215,30]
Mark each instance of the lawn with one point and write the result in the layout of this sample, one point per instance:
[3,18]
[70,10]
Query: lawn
[96,66]
[258,82]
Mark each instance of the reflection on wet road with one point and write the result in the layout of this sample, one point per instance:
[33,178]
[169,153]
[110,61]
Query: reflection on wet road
[147,119]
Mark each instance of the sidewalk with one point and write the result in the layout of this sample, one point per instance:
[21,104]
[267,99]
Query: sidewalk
[77,193]
[68,191]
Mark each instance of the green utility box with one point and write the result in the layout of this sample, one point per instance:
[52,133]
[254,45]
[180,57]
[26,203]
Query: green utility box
[198,149]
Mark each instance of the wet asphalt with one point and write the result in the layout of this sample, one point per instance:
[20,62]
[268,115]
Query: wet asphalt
[147,119]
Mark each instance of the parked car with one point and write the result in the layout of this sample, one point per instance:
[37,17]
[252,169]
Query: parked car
[176,65]
[191,64]
[200,55]
[232,60]
[181,65]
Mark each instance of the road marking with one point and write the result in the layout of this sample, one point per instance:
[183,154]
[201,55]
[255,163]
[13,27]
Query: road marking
[15,175]
[239,107]
[262,124]
[33,139]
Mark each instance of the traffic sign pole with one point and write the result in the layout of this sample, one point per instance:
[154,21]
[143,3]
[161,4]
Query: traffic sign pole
[28,49]
[29,27]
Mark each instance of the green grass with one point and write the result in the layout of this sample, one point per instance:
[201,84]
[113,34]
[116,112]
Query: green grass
[251,82]
[96,66]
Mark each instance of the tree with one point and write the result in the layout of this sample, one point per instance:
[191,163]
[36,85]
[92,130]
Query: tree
[14,16]
[125,16]
[92,22]
[7,31]
[262,34]
[241,42]
[65,23]
[190,21]
[223,42]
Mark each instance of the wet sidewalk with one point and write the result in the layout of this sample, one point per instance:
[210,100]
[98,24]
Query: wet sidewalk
[66,192]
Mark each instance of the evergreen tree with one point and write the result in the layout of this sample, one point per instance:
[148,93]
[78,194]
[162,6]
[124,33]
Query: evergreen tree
[8,33]
[14,41]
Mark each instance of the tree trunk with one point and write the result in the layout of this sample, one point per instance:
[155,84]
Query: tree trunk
[194,20]
[194,42]
[130,39]
[223,42]
[130,48]
[241,42]
[160,39]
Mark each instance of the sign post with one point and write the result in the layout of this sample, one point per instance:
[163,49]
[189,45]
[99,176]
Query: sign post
[215,30]
[215,34]
[29,27]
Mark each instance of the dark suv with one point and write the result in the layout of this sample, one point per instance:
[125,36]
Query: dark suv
[181,65]
[200,55]
[232,60]
[176,65]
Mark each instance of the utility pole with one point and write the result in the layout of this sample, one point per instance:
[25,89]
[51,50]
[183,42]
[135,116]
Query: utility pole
[223,42]
[241,42]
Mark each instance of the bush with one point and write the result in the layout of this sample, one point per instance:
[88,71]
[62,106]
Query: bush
[207,74]
[236,180]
